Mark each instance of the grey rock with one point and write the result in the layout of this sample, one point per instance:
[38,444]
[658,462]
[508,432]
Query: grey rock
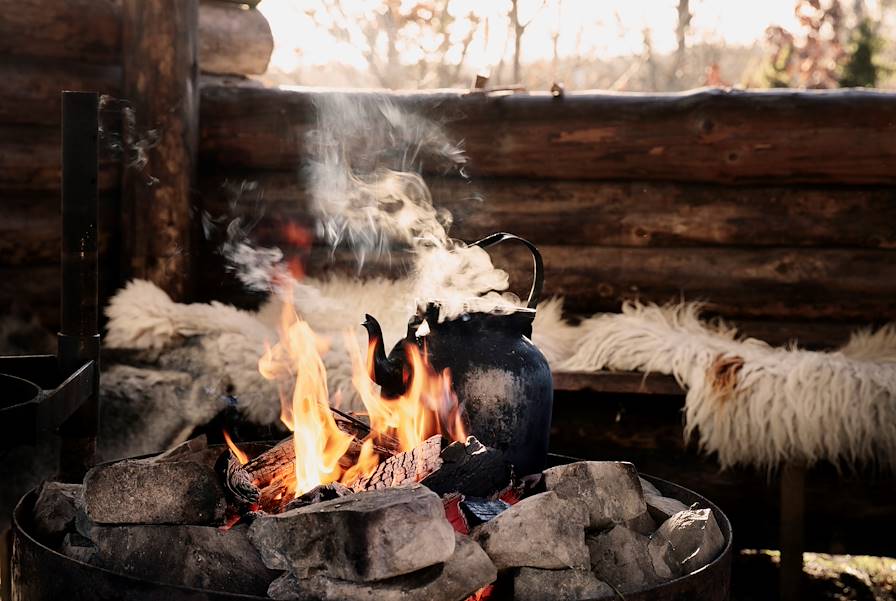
[541,531]
[466,571]
[54,509]
[533,584]
[195,556]
[694,539]
[624,559]
[77,547]
[610,489]
[643,524]
[154,492]
[663,508]
[362,537]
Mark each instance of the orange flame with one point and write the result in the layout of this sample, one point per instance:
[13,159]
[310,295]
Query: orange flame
[237,452]
[428,407]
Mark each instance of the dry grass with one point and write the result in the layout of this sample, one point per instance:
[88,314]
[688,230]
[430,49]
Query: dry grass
[825,577]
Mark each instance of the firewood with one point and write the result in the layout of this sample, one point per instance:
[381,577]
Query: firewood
[404,468]
[273,472]
[469,468]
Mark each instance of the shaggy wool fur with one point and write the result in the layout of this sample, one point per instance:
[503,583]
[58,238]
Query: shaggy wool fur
[751,403]
[748,402]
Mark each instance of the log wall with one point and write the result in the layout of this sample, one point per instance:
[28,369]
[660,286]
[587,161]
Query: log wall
[49,46]
[776,209]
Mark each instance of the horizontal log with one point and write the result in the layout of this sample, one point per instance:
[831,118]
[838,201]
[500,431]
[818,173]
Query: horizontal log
[30,160]
[31,228]
[776,283]
[767,283]
[604,213]
[31,88]
[844,136]
[231,40]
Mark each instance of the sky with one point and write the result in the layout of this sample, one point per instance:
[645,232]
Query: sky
[604,28]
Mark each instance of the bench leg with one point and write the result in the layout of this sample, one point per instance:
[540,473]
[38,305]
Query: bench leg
[793,503]
[6,565]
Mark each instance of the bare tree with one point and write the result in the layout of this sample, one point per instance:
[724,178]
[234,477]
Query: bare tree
[381,31]
[681,31]
[519,29]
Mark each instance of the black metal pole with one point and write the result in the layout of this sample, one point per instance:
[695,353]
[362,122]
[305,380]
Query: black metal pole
[79,339]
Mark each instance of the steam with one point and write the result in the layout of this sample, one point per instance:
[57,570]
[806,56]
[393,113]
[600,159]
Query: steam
[366,157]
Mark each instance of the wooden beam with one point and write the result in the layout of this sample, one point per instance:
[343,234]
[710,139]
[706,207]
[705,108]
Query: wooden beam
[843,136]
[773,284]
[30,159]
[792,531]
[30,91]
[232,40]
[612,213]
[617,382]
[159,49]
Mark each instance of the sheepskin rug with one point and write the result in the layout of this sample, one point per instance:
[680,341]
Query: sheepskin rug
[747,402]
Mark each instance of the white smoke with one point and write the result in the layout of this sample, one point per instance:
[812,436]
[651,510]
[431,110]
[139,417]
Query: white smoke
[366,158]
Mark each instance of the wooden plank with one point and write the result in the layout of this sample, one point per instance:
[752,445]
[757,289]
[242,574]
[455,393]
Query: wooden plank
[628,382]
[30,161]
[587,213]
[160,79]
[843,136]
[31,88]
[233,40]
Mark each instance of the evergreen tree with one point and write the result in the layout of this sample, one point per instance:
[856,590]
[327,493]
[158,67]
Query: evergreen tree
[860,69]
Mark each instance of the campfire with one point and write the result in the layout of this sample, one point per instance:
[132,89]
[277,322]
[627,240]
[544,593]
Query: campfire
[401,501]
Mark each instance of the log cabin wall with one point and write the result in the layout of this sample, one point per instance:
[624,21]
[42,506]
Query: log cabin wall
[778,209]
[49,46]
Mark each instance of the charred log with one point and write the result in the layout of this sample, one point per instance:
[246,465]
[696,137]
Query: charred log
[469,468]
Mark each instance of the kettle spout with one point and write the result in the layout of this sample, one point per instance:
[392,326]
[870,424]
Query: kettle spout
[386,371]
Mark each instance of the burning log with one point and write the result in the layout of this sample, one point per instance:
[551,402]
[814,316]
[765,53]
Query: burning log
[469,468]
[272,473]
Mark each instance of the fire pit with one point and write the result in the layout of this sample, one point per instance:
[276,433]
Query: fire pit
[75,576]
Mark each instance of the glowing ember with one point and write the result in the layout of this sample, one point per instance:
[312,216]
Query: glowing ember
[428,407]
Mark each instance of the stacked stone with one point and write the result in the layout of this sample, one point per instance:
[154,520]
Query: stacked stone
[593,533]
[389,544]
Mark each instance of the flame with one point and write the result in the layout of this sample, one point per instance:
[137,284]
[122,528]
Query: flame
[319,443]
[428,407]
[237,452]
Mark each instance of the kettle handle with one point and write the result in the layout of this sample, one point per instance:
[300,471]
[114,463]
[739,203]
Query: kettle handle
[538,271]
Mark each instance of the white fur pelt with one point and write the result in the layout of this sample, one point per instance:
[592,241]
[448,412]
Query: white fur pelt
[751,403]
[748,402]
[229,341]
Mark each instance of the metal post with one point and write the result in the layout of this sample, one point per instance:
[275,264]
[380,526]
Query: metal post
[79,339]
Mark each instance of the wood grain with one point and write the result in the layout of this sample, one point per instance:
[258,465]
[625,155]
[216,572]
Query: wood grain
[231,40]
[614,213]
[160,79]
[843,136]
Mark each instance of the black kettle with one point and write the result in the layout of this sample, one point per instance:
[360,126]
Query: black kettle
[502,381]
